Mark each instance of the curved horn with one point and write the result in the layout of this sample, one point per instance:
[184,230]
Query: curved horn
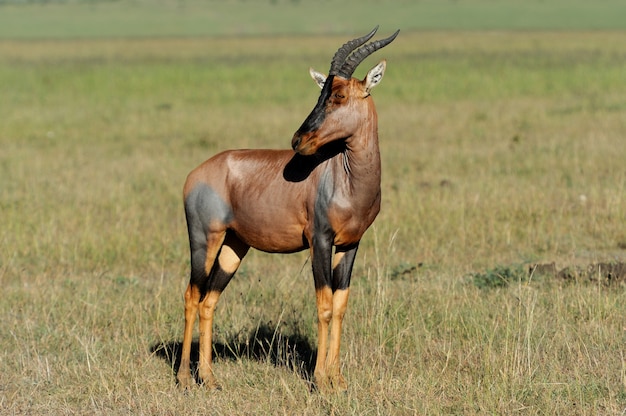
[347,48]
[347,69]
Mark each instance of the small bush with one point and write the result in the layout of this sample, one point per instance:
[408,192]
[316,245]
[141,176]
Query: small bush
[500,276]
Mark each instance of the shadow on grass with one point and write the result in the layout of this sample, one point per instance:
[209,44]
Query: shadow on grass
[265,344]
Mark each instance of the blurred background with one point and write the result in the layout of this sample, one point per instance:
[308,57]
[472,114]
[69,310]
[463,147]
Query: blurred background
[122,18]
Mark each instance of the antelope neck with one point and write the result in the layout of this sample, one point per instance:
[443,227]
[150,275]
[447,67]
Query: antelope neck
[360,163]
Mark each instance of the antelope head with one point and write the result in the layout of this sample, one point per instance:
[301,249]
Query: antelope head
[344,103]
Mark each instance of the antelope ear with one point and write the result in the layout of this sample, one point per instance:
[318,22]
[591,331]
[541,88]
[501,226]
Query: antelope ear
[318,77]
[374,76]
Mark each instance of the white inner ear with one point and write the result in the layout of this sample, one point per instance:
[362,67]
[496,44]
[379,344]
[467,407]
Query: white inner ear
[318,77]
[375,75]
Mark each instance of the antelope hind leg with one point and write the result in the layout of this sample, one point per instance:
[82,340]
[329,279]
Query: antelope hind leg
[229,258]
[205,366]
[192,297]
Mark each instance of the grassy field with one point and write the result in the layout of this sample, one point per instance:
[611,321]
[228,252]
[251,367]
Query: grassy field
[500,149]
[36,19]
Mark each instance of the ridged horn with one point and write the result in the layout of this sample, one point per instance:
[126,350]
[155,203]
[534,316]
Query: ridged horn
[347,48]
[351,63]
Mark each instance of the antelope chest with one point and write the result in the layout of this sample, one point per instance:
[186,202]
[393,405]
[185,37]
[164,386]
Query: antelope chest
[340,212]
[344,222]
[350,225]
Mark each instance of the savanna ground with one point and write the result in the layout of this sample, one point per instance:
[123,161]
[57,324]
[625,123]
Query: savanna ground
[500,149]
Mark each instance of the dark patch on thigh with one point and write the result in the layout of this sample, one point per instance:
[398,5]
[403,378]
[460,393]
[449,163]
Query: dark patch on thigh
[204,207]
[205,211]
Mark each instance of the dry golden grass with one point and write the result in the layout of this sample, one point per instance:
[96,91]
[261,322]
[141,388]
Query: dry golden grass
[498,149]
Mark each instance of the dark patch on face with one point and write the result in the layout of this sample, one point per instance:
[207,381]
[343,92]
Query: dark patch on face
[317,116]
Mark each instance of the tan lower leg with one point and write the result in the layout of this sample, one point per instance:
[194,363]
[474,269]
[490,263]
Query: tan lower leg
[207,310]
[192,296]
[324,302]
[340,304]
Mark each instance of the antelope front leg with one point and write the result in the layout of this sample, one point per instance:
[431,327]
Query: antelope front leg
[321,256]
[333,370]
[342,270]
[324,301]
[332,289]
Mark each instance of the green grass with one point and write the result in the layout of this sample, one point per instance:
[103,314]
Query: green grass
[88,19]
[498,149]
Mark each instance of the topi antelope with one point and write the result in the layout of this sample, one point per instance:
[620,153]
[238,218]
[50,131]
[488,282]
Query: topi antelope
[323,195]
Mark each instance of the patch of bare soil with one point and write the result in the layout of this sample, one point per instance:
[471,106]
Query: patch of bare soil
[609,273]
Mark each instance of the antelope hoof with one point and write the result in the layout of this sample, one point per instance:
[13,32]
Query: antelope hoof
[210,383]
[331,384]
[339,383]
[185,381]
